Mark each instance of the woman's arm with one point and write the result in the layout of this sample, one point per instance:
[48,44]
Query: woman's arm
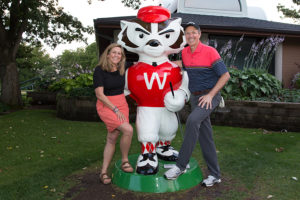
[102,97]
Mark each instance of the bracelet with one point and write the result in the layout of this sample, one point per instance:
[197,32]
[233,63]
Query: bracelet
[116,109]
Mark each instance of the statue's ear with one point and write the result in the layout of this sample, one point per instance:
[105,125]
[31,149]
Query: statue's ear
[123,23]
[176,20]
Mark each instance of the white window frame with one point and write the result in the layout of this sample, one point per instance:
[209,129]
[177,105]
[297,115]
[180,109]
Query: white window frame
[216,12]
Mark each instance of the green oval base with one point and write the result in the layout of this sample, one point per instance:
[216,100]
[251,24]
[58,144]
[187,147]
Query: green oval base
[156,183]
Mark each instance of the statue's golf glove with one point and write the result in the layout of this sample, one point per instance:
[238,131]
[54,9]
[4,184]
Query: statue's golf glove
[176,103]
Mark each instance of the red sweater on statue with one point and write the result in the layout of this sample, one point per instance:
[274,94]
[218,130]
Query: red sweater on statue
[148,84]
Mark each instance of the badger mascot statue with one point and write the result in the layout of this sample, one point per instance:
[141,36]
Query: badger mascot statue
[159,86]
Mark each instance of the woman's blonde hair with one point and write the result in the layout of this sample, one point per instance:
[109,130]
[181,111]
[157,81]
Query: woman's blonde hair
[105,63]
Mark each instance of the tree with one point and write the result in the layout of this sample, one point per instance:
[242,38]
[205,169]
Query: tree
[290,12]
[135,4]
[72,63]
[31,21]
[32,61]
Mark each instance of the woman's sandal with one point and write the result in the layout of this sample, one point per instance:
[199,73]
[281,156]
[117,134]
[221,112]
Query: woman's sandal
[126,167]
[105,179]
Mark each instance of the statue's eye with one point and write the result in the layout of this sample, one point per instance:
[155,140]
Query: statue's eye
[167,35]
[141,35]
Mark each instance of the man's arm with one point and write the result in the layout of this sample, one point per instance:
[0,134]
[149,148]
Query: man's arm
[220,84]
[178,62]
[206,99]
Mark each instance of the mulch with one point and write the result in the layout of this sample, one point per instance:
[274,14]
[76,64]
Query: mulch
[91,188]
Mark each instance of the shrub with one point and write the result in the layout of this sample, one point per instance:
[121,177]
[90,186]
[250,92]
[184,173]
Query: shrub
[84,91]
[43,84]
[288,95]
[59,86]
[251,84]
[82,85]
[296,81]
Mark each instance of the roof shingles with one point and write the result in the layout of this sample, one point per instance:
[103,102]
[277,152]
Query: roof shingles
[219,22]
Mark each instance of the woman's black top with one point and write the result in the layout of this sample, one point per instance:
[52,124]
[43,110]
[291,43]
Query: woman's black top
[112,82]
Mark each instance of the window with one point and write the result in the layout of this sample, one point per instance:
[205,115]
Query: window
[231,8]
[228,5]
[220,42]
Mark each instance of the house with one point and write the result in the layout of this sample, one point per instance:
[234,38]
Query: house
[222,21]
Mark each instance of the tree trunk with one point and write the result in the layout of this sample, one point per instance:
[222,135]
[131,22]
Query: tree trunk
[10,89]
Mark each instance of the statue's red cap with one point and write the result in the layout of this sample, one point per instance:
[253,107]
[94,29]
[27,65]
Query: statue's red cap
[153,14]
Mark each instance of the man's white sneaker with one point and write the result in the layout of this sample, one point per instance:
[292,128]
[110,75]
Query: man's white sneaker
[173,173]
[210,181]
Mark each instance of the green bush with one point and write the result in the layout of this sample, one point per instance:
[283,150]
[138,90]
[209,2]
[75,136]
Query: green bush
[43,84]
[84,91]
[60,86]
[296,81]
[288,95]
[82,85]
[251,84]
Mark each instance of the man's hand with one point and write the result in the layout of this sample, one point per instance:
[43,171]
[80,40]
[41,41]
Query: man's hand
[205,100]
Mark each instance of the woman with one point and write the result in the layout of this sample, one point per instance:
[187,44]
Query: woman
[112,108]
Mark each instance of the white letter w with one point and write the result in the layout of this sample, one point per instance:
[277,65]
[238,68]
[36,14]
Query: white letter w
[155,76]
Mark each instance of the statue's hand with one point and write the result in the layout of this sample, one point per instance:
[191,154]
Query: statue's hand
[175,103]
[126,92]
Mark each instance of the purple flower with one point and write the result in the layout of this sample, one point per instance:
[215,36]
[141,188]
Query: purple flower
[261,42]
[254,48]
[215,44]
[241,38]
[272,41]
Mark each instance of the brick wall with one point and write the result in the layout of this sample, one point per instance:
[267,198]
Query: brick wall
[252,114]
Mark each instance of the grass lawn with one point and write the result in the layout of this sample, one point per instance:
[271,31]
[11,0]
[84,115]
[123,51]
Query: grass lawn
[38,152]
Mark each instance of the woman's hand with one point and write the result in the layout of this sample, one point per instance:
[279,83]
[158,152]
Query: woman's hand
[120,116]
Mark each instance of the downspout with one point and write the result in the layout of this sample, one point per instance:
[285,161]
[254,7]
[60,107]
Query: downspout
[278,63]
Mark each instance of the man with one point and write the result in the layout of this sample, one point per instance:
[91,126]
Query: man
[207,76]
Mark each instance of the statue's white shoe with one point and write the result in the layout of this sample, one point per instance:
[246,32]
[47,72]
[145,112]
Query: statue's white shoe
[147,164]
[167,153]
